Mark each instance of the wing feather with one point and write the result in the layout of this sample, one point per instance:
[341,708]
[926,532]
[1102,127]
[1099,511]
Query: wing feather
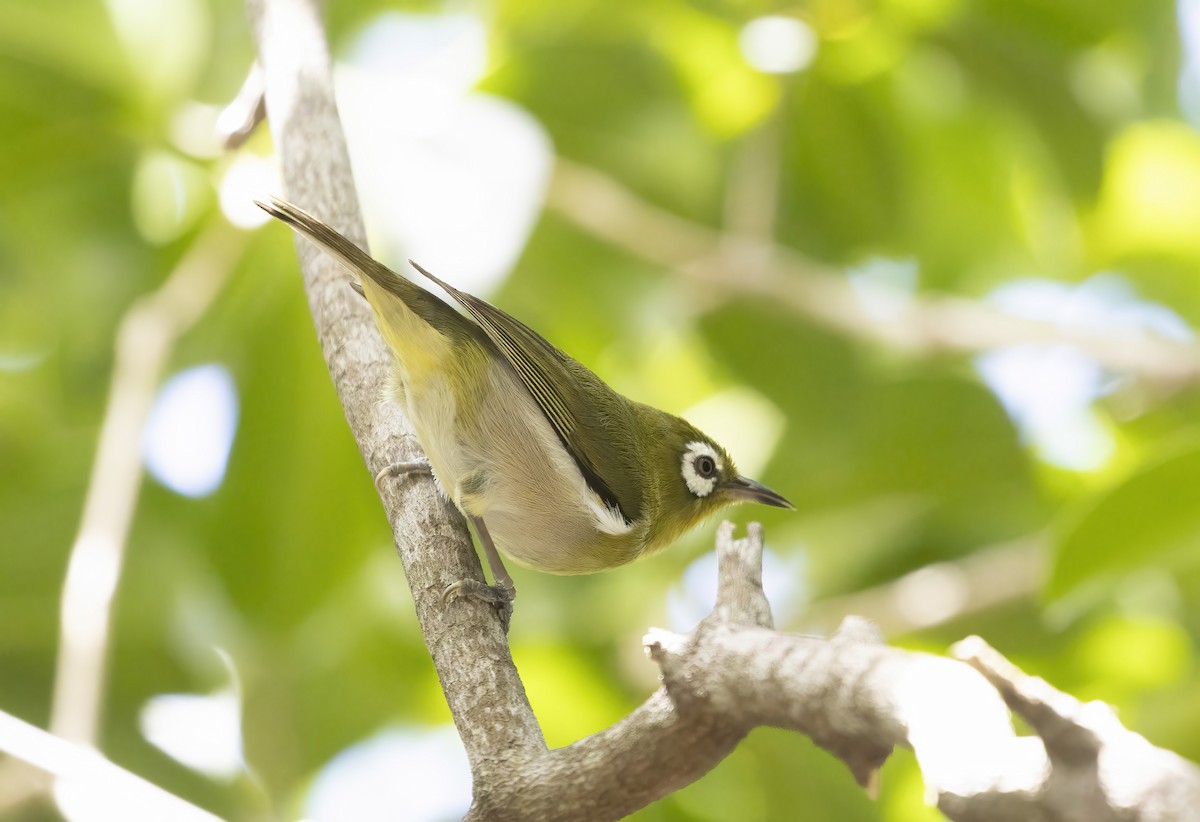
[547,373]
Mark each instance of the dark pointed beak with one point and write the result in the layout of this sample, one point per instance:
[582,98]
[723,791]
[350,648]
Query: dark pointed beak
[744,489]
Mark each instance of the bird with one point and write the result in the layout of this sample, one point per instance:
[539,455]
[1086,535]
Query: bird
[552,467]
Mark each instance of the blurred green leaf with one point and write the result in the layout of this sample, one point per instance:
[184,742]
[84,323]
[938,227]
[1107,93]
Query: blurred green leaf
[1128,654]
[1152,518]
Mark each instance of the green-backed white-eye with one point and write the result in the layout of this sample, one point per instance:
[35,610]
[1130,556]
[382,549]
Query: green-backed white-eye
[552,467]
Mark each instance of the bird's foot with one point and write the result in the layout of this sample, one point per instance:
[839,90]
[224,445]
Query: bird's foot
[402,469]
[499,597]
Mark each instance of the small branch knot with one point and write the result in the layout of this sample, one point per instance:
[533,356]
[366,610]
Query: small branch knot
[856,630]
[740,597]
[660,643]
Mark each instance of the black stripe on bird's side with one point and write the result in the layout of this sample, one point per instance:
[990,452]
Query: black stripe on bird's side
[599,486]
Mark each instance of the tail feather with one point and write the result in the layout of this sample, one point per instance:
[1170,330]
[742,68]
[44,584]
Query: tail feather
[329,239]
[419,301]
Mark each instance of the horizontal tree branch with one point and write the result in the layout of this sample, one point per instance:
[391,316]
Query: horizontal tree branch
[731,265]
[858,699]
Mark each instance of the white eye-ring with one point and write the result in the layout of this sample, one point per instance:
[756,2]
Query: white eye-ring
[701,468]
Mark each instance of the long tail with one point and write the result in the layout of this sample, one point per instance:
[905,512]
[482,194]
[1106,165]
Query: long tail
[418,300]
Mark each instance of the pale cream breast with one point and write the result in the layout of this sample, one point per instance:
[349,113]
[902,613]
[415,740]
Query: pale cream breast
[504,463]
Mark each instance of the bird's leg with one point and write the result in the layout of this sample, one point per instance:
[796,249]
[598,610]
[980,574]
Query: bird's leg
[499,572]
[402,469]
[502,593]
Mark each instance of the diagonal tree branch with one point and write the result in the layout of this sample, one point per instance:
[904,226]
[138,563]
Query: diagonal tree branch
[85,778]
[464,638]
[145,338]
[1090,767]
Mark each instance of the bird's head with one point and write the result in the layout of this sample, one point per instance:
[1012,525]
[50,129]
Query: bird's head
[694,477]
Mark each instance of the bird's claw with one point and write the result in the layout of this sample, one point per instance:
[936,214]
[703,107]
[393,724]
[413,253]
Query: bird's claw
[402,469]
[499,597]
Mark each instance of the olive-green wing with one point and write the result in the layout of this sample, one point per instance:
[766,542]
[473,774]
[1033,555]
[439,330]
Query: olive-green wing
[575,401]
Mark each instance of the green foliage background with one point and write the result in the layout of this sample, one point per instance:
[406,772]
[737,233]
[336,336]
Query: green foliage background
[985,140]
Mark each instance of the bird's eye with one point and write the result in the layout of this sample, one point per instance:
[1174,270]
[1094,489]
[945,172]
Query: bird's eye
[701,468]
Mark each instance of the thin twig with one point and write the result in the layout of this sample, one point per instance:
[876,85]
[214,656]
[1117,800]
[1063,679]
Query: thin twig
[144,342]
[1094,768]
[239,120]
[940,593]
